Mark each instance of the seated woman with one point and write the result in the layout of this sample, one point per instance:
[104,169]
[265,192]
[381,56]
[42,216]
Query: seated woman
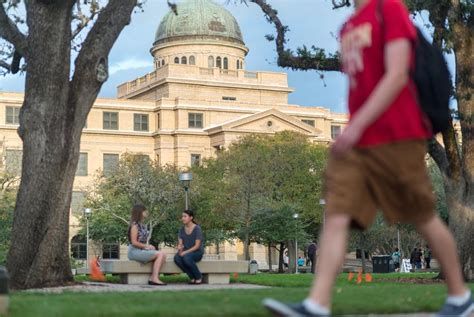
[190,247]
[139,250]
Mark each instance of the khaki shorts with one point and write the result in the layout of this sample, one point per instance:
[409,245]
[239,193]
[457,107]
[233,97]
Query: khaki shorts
[391,177]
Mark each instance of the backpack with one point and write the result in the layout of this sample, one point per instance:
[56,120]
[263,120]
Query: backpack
[432,79]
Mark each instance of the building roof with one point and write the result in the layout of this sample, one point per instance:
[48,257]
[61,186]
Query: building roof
[201,19]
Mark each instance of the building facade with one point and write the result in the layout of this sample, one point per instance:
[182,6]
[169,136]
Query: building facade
[199,99]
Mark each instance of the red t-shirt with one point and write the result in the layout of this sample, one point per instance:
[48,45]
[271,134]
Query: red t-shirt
[362,50]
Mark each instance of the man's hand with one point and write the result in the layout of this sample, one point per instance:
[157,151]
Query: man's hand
[150,247]
[347,140]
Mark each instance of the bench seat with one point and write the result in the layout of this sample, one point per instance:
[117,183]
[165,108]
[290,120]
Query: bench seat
[214,271]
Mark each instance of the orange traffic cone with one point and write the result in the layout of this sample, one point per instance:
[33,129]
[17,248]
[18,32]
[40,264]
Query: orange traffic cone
[368,277]
[359,277]
[96,274]
[350,276]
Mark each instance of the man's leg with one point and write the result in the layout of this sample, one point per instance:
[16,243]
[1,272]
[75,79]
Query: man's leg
[331,258]
[444,249]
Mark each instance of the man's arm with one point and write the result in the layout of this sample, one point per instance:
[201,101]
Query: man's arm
[397,65]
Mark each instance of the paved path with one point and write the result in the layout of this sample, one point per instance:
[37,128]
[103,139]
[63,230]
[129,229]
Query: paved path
[92,287]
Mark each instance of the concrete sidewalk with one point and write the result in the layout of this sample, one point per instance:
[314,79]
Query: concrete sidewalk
[92,287]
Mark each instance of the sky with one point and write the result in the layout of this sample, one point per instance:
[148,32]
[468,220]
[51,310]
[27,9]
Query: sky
[311,22]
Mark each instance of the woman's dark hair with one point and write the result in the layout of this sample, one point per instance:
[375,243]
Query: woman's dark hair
[190,213]
[137,215]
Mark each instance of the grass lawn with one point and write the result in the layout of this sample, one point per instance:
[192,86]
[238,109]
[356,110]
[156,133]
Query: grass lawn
[380,296]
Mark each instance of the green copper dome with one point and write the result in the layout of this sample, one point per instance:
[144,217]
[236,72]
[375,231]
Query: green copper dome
[202,19]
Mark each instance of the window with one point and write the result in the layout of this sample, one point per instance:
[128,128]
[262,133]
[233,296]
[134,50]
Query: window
[163,63]
[13,115]
[335,131]
[226,63]
[238,64]
[157,122]
[176,60]
[219,62]
[184,60]
[309,122]
[79,247]
[110,121]
[77,202]
[111,251]
[195,120]
[195,159]
[140,122]
[229,98]
[210,62]
[13,160]
[82,165]
[110,163]
[158,63]
[192,60]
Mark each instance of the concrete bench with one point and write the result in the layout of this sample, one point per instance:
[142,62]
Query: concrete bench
[214,271]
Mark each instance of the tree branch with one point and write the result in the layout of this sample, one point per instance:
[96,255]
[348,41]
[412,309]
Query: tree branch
[10,32]
[119,217]
[304,59]
[91,65]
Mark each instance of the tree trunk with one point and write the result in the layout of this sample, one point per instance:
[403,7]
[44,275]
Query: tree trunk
[39,254]
[293,256]
[461,195]
[362,259]
[461,222]
[51,120]
[280,258]
[269,258]
[247,247]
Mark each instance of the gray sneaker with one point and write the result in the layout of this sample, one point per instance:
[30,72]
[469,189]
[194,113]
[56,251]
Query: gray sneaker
[288,310]
[464,310]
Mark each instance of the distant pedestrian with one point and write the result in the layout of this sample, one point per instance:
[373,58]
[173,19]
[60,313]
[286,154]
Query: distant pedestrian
[312,248]
[396,256]
[300,261]
[286,260]
[427,256]
[418,257]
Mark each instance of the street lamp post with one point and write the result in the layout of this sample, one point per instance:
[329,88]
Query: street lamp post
[185,179]
[296,216]
[87,214]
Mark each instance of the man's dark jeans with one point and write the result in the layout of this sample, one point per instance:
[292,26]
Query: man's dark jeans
[188,265]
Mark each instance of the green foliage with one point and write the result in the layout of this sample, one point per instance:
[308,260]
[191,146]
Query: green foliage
[136,180]
[7,206]
[260,178]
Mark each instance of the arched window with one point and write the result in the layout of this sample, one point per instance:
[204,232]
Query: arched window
[210,62]
[163,63]
[158,63]
[219,62]
[226,63]
[184,60]
[176,60]
[192,60]
[238,64]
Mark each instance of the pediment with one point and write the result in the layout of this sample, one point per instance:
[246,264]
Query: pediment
[269,121]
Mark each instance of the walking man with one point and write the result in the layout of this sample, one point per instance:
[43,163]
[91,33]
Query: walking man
[378,162]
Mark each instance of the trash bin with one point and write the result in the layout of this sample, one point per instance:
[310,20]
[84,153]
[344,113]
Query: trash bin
[383,264]
[253,267]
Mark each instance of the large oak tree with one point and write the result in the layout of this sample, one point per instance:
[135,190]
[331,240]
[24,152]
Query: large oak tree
[58,97]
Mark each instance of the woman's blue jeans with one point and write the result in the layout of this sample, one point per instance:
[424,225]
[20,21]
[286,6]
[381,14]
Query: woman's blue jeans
[188,265]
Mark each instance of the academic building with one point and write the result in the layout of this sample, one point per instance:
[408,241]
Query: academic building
[199,99]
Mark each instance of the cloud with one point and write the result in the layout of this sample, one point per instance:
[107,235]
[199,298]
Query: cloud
[128,64]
